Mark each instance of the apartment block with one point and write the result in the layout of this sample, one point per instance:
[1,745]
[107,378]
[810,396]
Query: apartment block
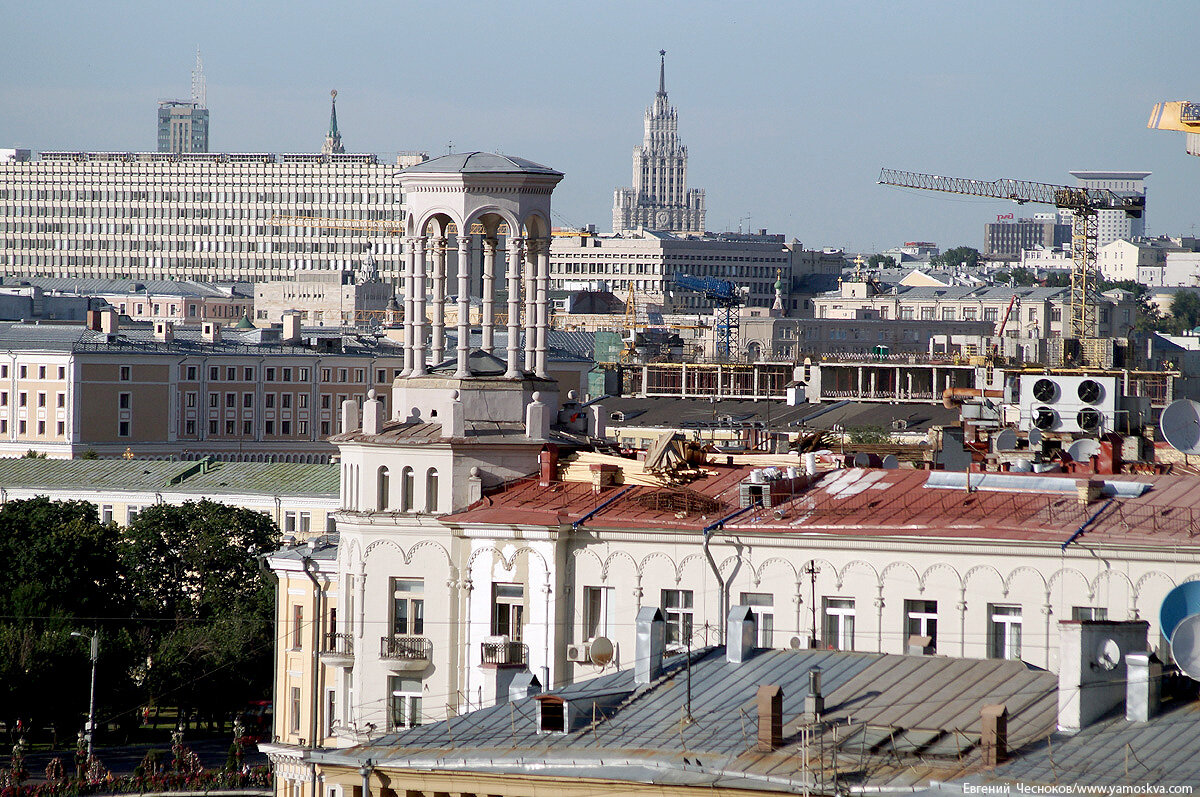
[197,216]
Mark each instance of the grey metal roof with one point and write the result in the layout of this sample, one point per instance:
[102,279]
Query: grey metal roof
[895,720]
[92,286]
[1164,752]
[478,163]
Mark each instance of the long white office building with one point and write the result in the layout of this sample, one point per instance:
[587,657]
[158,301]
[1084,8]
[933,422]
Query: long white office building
[209,217]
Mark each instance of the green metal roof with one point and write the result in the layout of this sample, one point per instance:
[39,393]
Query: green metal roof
[91,474]
[271,478]
[201,477]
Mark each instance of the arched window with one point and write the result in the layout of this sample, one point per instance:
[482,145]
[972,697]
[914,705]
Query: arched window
[406,489]
[431,490]
[384,488]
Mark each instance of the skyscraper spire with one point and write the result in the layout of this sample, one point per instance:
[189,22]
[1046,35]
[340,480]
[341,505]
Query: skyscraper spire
[333,139]
[199,84]
[662,72]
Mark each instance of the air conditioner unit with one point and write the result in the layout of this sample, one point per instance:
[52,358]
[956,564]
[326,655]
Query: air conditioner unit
[1069,404]
[497,640]
[580,652]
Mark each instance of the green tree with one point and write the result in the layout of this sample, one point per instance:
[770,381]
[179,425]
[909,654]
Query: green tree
[1185,307]
[867,435]
[192,570]
[953,258]
[60,575]
[1022,276]
[881,261]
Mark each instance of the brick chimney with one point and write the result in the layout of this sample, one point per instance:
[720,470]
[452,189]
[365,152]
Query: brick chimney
[548,462]
[993,734]
[770,717]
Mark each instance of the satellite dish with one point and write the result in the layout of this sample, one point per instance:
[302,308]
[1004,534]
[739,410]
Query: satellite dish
[1109,655]
[890,462]
[1083,450]
[862,460]
[1035,438]
[1185,646]
[1045,391]
[1180,602]
[1090,391]
[1180,424]
[1006,440]
[600,652]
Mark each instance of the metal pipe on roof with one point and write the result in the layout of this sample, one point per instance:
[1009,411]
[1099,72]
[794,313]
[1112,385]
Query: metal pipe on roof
[722,597]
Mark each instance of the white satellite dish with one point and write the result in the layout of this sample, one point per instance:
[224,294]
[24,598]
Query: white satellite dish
[1180,424]
[1185,646]
[1084,449]
[1035,438]
[1005,440]
[890,462]
[600,652]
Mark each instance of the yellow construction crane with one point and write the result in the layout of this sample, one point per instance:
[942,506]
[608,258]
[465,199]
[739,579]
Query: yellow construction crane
[1085,203]
[1182,116]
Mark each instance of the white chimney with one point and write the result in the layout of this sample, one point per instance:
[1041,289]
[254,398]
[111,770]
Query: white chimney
[456,426]
[291,327]
[599,421]
[1093,668]
[649,644]
[108,321]
[210,331]
[741,634]
[164,331]
[1144,688]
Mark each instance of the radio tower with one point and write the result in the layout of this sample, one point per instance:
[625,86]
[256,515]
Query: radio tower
[199,85]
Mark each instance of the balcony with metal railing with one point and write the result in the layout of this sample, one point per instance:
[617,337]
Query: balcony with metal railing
[338,649]
[405,653]
[505,654]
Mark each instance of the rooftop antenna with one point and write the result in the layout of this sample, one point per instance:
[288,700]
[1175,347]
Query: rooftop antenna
[199,84]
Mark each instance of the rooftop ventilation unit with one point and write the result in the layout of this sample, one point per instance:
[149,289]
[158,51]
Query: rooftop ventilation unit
[1070,404]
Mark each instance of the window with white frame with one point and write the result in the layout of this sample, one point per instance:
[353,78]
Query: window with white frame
[508,610]
[839,623]
[763,604]
[920,619]
[597,611]
[1004,631]
[1089,613]
[408,607]
[330,711]
[404,703]
[677,607]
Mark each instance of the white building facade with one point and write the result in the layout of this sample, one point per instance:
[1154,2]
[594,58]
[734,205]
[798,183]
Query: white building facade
[207,217]
[1112,225]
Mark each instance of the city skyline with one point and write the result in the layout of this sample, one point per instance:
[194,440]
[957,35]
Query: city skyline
[788,112]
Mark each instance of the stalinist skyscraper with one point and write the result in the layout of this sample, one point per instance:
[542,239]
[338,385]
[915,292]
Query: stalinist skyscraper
[660,199]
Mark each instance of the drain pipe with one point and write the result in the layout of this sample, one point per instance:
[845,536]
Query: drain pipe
[722,597]
[575,526]
[1079,531]
[310,568]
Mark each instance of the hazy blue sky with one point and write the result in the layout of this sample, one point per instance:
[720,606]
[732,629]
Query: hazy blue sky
[788,109]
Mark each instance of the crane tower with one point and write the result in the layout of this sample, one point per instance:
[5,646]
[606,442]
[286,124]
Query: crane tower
[1084,203]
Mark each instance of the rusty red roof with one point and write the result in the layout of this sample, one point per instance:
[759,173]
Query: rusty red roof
[869,502]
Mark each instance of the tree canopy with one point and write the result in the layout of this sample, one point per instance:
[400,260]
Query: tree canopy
[183,611]
[953,258]
[881,261]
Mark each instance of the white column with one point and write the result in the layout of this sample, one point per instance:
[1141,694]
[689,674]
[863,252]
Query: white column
[543,307]
[530,300]
[438,345]
[514,307]
[464,305]
[418,325]
[410,269]
[489,294]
